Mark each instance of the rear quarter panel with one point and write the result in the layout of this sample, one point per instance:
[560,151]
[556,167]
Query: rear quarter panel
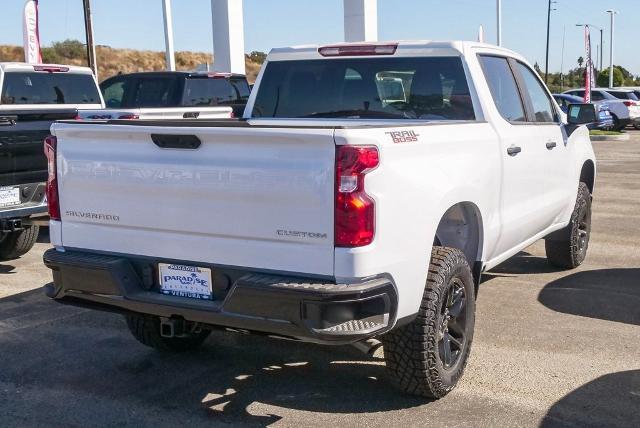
[413,186]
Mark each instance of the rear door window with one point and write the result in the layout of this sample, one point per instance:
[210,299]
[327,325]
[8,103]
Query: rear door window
[623,95]
[425,88]
[155,91]
[502,85]
[49,88]
[543,110]
[211,91]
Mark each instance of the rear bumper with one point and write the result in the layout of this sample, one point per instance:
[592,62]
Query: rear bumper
[291,307]
[31,202]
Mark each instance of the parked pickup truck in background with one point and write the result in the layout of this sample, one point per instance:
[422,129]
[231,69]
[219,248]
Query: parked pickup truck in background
[176,89]
[158,113]
[31,98]
[336,211]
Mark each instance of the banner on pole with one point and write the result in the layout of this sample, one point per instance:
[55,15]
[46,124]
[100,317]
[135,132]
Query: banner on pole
[30,33]
[588,73]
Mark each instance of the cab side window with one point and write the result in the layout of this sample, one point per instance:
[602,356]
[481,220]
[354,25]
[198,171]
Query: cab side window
[502,85]
[543,109]
[113,93]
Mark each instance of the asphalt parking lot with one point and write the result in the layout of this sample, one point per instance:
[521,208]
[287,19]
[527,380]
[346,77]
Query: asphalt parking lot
[552,348]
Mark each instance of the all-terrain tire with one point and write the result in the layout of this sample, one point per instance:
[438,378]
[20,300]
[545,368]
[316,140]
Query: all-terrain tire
[415,353]
[18,243]
[146,329]
[570,249]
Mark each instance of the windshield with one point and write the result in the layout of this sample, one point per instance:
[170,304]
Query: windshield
[49,88]
[428,88]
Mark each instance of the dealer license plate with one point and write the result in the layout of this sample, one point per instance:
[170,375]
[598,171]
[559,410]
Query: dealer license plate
[185,281]
[9,196]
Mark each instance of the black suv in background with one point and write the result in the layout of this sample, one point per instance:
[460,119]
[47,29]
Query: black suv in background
[176,89]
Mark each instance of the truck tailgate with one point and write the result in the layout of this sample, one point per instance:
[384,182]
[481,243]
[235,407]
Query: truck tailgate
[246,197]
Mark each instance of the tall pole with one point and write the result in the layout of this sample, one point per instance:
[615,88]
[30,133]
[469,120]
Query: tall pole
[546,61]
[499,20]
[168,36]
[88,29]
[564,30]
[601,50]
[611,12]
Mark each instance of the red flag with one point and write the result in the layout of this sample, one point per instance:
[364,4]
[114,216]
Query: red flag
[31,33]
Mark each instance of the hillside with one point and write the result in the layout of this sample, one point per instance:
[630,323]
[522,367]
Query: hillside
[112,61]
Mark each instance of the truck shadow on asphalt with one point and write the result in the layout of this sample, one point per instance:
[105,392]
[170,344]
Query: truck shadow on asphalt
[607,294]
[621,393]
[97,368]
[521,263]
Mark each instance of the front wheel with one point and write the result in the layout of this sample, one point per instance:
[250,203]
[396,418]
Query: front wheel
[427,356]
[569,249]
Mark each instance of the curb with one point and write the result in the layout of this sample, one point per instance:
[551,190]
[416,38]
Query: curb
[623,137]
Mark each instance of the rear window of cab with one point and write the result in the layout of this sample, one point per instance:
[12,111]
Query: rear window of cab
[423,88]
[21,87]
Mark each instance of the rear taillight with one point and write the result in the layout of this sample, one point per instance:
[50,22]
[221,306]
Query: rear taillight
[354,209]
[358,50]
[630,103]
[53,201]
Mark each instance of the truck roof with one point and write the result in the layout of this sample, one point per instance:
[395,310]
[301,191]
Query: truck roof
[23,66]
[181,73]
[404,47]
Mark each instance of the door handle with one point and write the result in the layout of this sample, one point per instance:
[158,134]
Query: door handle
[551,145]
[513,150]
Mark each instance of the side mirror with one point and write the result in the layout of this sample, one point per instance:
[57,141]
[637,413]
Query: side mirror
[580,114]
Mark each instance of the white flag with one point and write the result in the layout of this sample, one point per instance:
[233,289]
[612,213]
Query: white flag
[30,33]
[588,68]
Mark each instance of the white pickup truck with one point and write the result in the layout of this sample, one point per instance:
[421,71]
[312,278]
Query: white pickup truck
[362,195]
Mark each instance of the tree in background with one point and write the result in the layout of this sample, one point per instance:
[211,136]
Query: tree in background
[257,57]
[536,67]
[580,61]
[618,77]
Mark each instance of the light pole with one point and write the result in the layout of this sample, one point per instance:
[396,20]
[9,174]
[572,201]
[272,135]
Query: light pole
[170,59]
[499,20]
[546,61]
[611,12]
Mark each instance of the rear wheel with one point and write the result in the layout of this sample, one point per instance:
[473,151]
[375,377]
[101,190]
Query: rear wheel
[427,356]
[569,249]
[18,243]
[616,124]
[146,329]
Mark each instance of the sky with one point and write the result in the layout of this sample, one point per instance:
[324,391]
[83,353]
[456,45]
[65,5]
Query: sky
[138,24]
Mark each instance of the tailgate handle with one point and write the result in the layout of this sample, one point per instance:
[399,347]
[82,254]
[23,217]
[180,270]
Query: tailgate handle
[173,141]
[191,115]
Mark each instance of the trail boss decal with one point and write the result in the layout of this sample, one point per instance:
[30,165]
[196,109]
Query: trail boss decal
[403,136]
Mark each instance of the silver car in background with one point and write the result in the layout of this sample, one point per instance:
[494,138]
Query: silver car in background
[624,111]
